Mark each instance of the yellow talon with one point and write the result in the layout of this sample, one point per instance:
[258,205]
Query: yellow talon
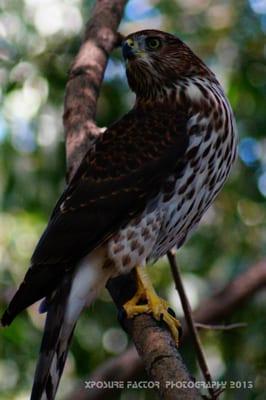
[146,300]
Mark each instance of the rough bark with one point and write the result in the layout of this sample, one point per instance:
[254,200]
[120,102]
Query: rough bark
[153,342]
[85,78]
[220,305]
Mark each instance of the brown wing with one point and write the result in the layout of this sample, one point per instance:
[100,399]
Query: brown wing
[127,168]
[114,182]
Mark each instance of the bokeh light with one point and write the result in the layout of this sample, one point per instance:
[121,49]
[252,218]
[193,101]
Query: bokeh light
[38,41]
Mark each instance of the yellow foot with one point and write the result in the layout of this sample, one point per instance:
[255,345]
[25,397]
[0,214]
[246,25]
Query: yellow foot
[146,300]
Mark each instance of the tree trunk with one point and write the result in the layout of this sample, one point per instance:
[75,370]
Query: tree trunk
[154,343]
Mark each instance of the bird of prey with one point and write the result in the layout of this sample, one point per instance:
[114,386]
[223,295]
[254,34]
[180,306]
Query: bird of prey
[139,191]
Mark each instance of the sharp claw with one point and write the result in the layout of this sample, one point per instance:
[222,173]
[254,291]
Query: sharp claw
[171,312]
[145,300]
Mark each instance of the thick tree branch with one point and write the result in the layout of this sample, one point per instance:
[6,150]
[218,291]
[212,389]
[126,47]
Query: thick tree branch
[154,343]
[85,78]
[213,310]
[223,303]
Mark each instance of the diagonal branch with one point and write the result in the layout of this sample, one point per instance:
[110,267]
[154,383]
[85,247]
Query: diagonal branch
[190,322]
[153,342]
[222,304]
[85,79]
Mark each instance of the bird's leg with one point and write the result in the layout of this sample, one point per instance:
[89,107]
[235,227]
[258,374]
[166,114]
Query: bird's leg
[146,300]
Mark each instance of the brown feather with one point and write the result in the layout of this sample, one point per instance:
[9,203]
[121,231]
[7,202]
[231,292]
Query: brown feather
[114,182]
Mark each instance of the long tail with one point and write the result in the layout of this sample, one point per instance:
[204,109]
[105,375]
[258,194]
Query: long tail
[54,348]
[64,308]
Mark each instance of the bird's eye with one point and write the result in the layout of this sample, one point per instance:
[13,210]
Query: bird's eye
[153,43]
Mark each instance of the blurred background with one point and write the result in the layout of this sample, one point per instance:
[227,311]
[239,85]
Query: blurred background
[38,39]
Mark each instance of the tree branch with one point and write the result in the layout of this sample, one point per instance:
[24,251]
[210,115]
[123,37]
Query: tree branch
[153,342]
[214,309]
[85,78]
[190,321]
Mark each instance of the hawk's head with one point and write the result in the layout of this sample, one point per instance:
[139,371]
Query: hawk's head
[157,60]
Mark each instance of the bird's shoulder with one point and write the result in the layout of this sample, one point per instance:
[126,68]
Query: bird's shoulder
[126,167]
[136,139]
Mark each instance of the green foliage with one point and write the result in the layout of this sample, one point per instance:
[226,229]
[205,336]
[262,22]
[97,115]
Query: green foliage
[37,44]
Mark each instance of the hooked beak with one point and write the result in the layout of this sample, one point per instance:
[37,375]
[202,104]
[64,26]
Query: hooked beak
[128,49]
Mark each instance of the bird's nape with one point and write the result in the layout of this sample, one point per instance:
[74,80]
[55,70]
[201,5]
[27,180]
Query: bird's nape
[156,61]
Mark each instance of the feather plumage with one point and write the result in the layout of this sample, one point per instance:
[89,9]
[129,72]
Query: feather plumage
[141,189]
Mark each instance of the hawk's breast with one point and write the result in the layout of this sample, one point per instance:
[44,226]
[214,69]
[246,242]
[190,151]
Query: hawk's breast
[208,161]
[185,196]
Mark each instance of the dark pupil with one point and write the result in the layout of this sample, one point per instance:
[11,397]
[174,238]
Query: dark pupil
[153,43]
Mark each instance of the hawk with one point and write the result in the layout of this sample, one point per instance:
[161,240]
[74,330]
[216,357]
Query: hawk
[139,191]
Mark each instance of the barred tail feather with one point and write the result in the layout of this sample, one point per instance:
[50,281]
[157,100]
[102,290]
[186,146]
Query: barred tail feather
[74,293]
[54,347]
